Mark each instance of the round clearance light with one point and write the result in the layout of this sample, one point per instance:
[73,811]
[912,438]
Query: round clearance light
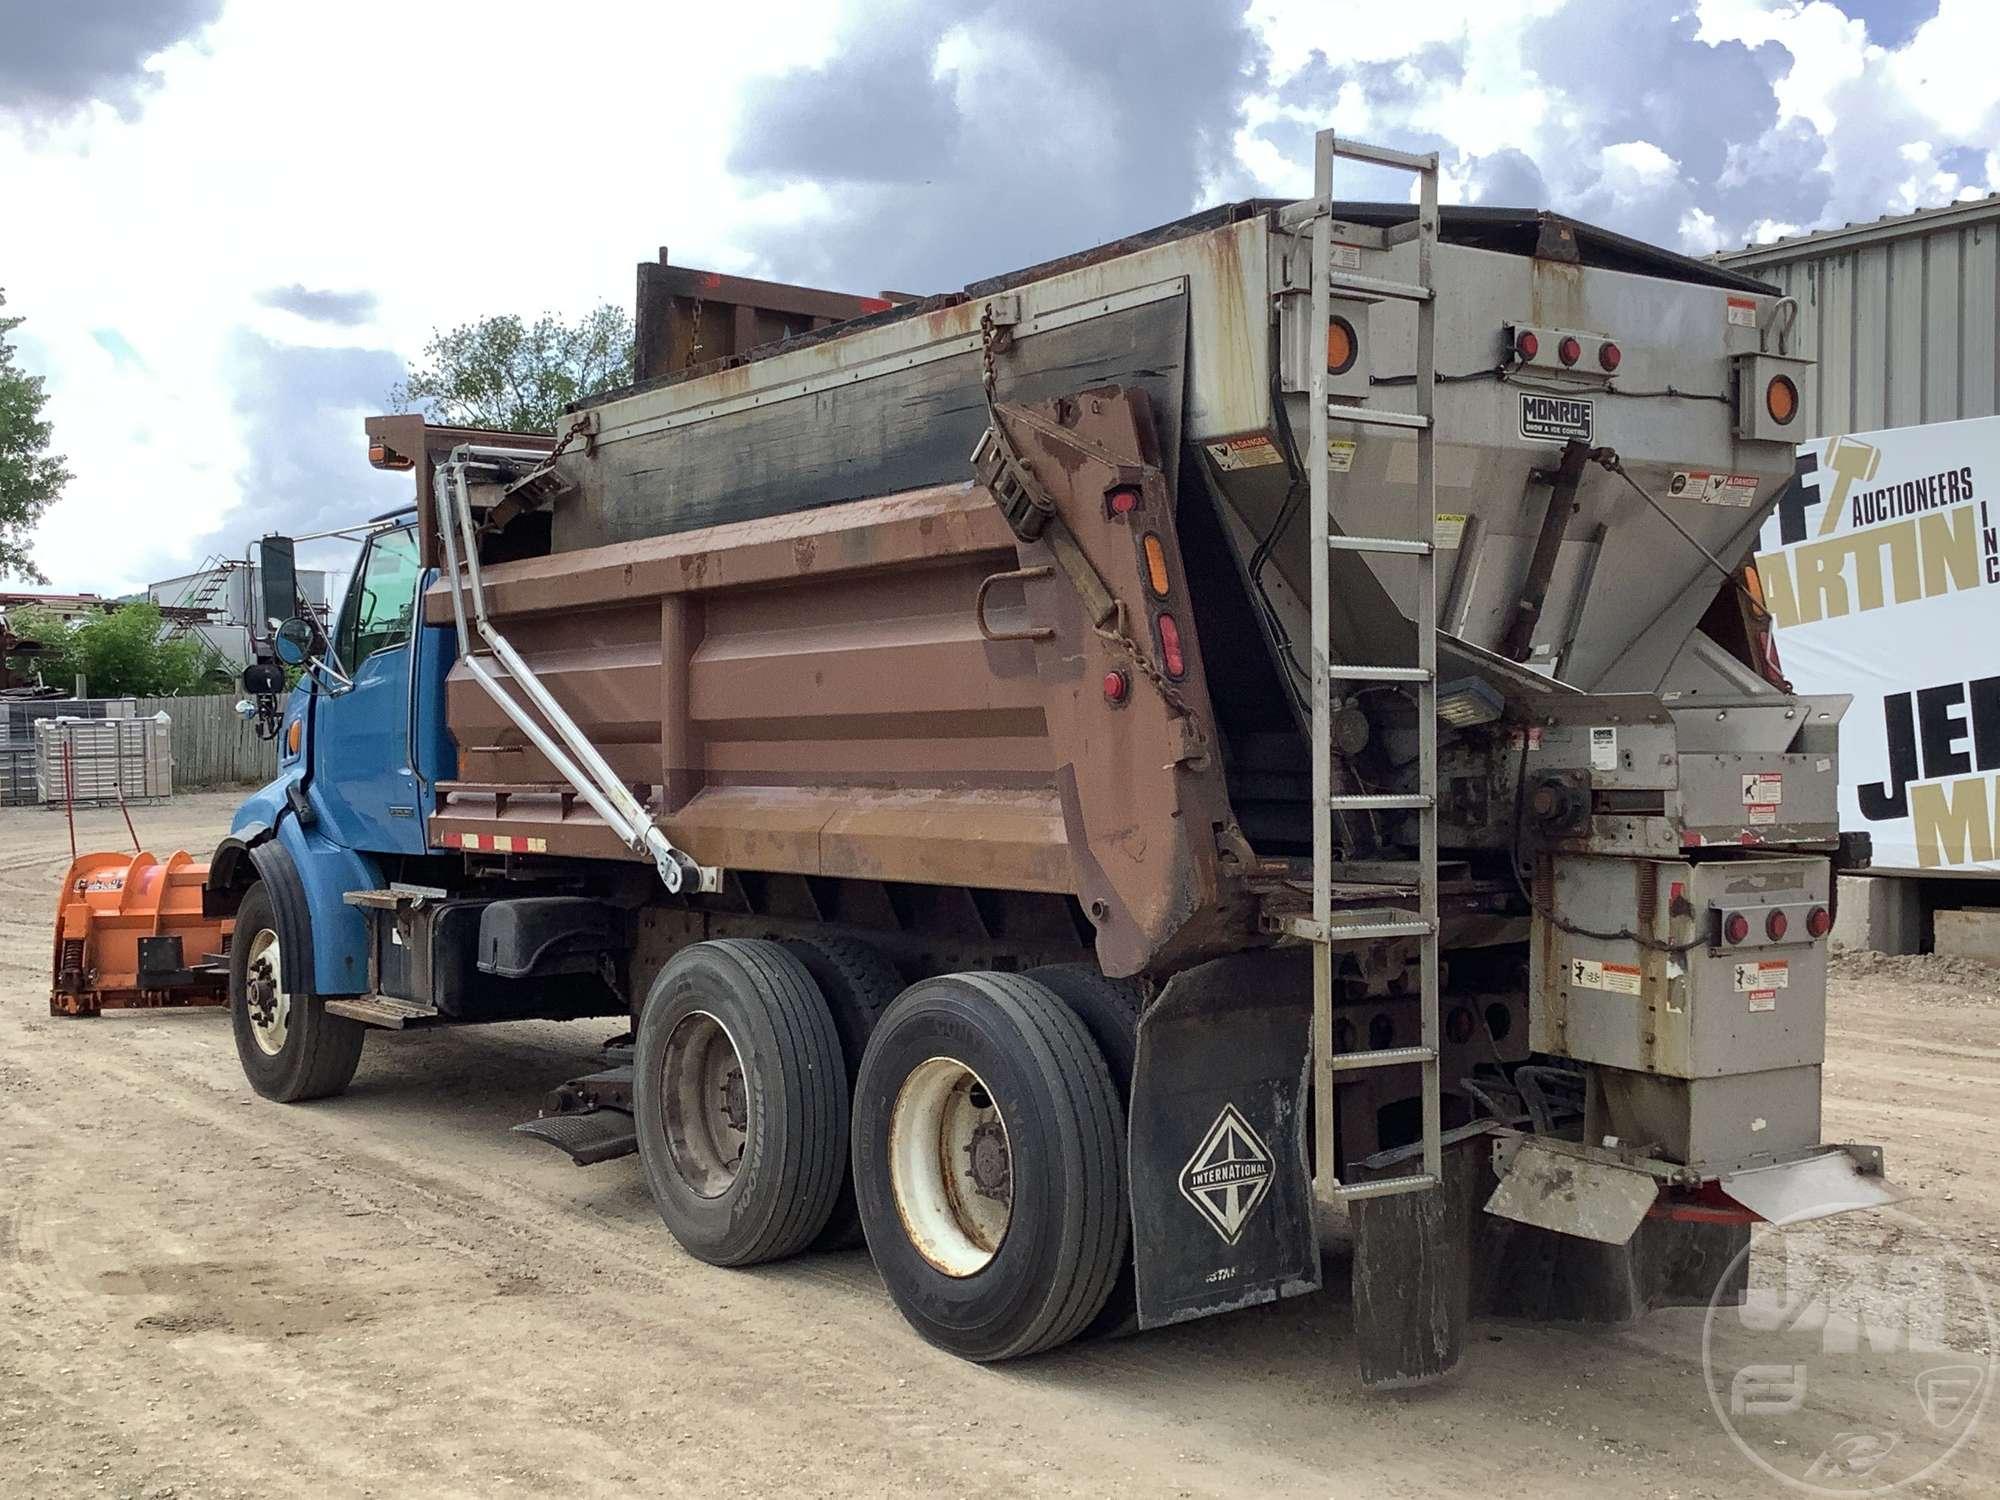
[1527,345]
[1342,347]
[1781,399]
[1608,357]
[1775,926]
[1124,500]
[1569,351]
[1735,927]
[1819,921]
[1116,687]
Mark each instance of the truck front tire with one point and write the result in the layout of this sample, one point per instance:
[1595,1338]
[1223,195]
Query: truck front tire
[290,1048]
[989,1164]
[739,1102]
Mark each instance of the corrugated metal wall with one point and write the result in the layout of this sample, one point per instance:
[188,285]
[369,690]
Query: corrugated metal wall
[1901,318]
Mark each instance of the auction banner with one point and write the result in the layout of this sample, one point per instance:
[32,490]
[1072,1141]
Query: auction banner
[1881,569]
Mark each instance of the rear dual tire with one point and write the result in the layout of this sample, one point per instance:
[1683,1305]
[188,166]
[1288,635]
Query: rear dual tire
[988,1163]
[739,1102]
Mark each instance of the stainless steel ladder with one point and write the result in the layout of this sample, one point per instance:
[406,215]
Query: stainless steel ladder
[1324,933]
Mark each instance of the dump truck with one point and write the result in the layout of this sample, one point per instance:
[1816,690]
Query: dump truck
[1095,784]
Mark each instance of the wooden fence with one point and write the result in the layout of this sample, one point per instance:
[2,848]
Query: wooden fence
[214,746]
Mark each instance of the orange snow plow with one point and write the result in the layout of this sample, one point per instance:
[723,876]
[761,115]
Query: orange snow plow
[131,935]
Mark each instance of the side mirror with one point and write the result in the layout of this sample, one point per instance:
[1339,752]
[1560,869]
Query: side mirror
[278,585]
[293,644]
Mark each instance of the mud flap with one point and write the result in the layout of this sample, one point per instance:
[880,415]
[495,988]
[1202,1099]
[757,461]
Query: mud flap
[1416,1262]
[1567,1238]
[1222,1209]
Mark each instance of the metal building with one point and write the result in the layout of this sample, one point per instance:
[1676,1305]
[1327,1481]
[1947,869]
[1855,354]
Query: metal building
[1900,315]
[225,588]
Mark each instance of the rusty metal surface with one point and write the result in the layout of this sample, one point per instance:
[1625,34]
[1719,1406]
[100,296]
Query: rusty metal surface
[405,441]
[688,319]
[812,694]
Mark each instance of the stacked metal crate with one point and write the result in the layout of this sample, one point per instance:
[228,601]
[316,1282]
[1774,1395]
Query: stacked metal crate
[18,717]
[90,762]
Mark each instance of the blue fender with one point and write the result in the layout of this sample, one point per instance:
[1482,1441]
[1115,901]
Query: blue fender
[308,875]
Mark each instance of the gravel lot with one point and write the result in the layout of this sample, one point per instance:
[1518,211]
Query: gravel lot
[202,1294]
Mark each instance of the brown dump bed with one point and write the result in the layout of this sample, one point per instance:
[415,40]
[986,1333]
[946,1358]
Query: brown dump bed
[892,690]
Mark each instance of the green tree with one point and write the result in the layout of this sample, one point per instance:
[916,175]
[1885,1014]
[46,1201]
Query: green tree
[507,373]
[119,653]
[30,476]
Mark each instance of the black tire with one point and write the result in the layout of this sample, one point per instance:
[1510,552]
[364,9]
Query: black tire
[316,1054]
[1109,1010]
[779,1191]
[1052,1266]
[859,984]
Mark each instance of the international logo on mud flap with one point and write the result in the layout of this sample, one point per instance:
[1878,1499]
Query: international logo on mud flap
[1228,1175]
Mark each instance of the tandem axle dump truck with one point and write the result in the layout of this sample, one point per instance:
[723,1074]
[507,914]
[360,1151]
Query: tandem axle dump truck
[1088,783]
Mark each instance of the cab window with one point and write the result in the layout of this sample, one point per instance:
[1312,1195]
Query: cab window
[381,603]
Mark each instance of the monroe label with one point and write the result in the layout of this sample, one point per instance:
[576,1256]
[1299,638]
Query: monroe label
[1555,418]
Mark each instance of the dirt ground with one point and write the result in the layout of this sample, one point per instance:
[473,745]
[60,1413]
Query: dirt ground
[203,1294]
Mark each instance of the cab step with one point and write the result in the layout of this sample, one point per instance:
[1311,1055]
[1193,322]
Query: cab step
[588,1138]
[382,1010]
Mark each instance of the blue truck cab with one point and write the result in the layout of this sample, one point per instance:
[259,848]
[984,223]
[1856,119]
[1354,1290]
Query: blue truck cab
[346,915]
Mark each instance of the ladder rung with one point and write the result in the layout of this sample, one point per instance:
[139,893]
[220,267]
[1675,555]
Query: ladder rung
[1388,1057]
[1378,801]
[1384,1187]
[1385,156]
[1340,412]
[1349,672]
[1352,932]
[1373,286]
[1379,544]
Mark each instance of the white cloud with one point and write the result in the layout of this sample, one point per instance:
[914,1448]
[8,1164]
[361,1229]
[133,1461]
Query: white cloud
[452,160]
[401,166]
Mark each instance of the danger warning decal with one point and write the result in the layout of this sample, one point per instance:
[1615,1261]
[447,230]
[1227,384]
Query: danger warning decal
[1762,794]
[1713,489]
[1760,982]
[1228,1175]
[1253,450]
[1617,979]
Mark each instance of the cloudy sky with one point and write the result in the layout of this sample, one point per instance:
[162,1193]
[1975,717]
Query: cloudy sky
[230,222]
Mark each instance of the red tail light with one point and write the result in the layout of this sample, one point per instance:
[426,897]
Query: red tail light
[1527,345]
[1569,351]
[1116,686]
[1608,356]
[1735,927]
[1775,926]
[1819,921]
[1170,647]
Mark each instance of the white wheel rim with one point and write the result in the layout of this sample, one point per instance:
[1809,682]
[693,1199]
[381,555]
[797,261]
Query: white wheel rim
[268,1006]
[704,1103]
[951,1166]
